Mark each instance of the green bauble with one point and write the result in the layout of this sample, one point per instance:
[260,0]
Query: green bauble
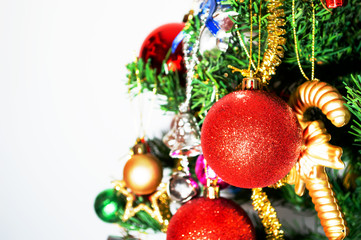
[107,205]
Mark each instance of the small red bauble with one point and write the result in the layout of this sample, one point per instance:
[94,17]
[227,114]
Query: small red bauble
[336,3]
[251,138]
[210,219]
[157,45]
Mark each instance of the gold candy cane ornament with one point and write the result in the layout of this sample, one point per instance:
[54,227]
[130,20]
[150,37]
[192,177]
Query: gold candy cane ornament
[317,153]
[323,96]
[309,172]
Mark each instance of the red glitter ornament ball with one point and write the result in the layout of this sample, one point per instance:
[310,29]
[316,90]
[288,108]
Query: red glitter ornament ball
[157,45]
[210,219]
[251,138]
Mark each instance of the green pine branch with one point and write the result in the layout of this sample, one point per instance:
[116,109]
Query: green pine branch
[142,78]
[353,98]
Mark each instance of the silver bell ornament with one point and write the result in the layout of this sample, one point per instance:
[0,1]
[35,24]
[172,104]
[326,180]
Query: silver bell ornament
[182,187]
[171,137]
[187,137]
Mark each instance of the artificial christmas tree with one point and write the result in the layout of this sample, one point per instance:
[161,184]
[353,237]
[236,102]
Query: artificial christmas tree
[251,138]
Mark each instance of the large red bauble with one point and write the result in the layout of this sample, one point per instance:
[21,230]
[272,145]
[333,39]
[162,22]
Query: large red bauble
[157,45]
[251,138]
[210,219]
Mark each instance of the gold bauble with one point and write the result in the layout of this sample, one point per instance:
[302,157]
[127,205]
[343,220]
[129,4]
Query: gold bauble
[142,173]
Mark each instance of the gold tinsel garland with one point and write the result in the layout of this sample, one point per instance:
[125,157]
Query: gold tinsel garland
[267,214]
[274,52]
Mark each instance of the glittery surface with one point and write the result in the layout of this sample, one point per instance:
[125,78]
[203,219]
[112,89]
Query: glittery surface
[251,138]
[207,219]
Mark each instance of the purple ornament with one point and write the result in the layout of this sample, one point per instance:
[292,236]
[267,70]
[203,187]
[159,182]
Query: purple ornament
[201,173]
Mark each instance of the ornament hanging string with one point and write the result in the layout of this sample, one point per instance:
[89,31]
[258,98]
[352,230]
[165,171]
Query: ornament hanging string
[274,51]
[251,36]
[141,127]
[141,131]
[148,118]
[249,54]
[313,41]
[259,36]
[245,50]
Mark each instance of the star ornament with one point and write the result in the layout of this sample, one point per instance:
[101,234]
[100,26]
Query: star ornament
[130,210]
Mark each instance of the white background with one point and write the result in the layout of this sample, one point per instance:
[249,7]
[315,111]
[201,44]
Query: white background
[66,120]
